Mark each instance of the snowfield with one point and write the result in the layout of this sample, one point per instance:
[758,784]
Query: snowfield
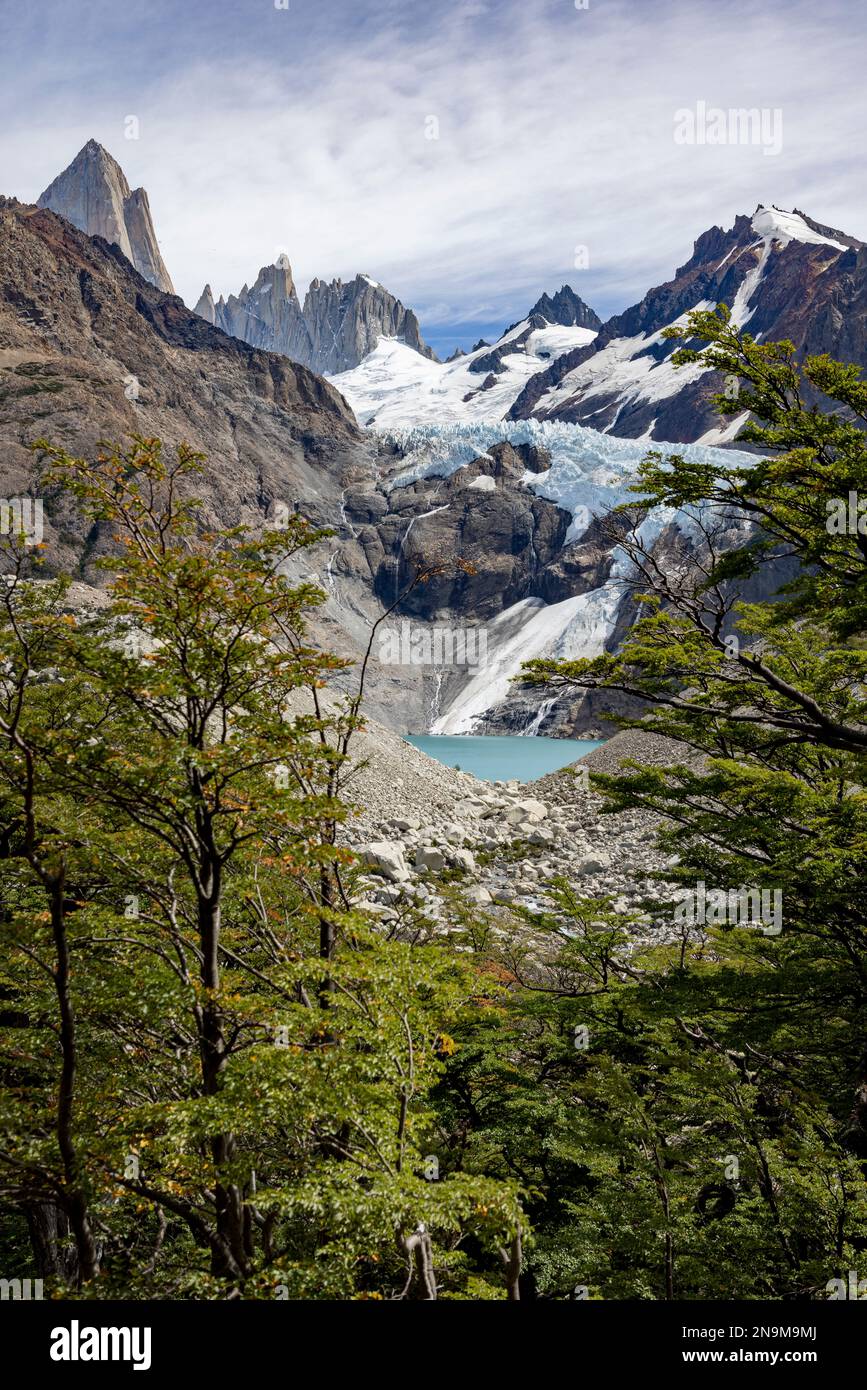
[790,226]
[396,386]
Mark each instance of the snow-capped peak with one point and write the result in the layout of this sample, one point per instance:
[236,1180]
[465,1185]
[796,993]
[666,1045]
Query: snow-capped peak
[395,386]
[789,226]
[282,262]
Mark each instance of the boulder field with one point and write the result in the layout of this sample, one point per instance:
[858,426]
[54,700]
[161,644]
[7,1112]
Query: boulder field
[418,820]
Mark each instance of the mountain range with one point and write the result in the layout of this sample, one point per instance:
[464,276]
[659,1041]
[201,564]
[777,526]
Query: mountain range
[783,274]
[337,327]
[503,458]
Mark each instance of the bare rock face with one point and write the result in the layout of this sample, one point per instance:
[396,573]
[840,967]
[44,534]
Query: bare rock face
[93,194]
[90,351]
[337,327]
[345,322]
[568,308]
[206,309]
[267,316]
[482,513]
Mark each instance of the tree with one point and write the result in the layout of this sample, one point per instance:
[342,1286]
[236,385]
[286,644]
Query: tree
[258,1054]
[765,700]
[41,1152]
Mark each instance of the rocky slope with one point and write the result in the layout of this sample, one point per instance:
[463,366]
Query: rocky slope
[417,820]
[782,274]
[89,350]
[337,327]
[92,193]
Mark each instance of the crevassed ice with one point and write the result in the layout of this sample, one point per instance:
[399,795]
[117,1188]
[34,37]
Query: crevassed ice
[590,472]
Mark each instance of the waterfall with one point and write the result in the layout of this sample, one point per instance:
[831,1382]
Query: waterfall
[538,718]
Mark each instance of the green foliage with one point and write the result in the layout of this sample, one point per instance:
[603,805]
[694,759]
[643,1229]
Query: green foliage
[733,1041]
[216,1071]
[220,1078]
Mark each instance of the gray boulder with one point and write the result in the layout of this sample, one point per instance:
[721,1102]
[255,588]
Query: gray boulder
[429,857]
[385,858]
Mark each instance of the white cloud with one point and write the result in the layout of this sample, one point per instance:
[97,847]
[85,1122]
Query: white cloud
[555,131]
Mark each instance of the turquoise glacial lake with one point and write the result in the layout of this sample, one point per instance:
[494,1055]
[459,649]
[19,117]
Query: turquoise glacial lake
[503,757]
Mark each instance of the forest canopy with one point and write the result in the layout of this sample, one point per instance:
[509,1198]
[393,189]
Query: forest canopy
[222,1077]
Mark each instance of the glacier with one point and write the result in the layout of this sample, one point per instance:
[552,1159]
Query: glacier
[589,474]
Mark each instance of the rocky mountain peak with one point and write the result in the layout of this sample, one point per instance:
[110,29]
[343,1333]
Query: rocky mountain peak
[338,325]
[93,194]
[275,281]
[566,308]
[206,308]
[782,273]
[346,321]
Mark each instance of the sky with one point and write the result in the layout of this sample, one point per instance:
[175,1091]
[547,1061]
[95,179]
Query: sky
[468,154]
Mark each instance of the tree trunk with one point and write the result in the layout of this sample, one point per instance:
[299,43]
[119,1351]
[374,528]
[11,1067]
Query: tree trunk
[229,1250]
[418,1248]
[54,1254]
[72,1198]
[856,1133]
[513,1258]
